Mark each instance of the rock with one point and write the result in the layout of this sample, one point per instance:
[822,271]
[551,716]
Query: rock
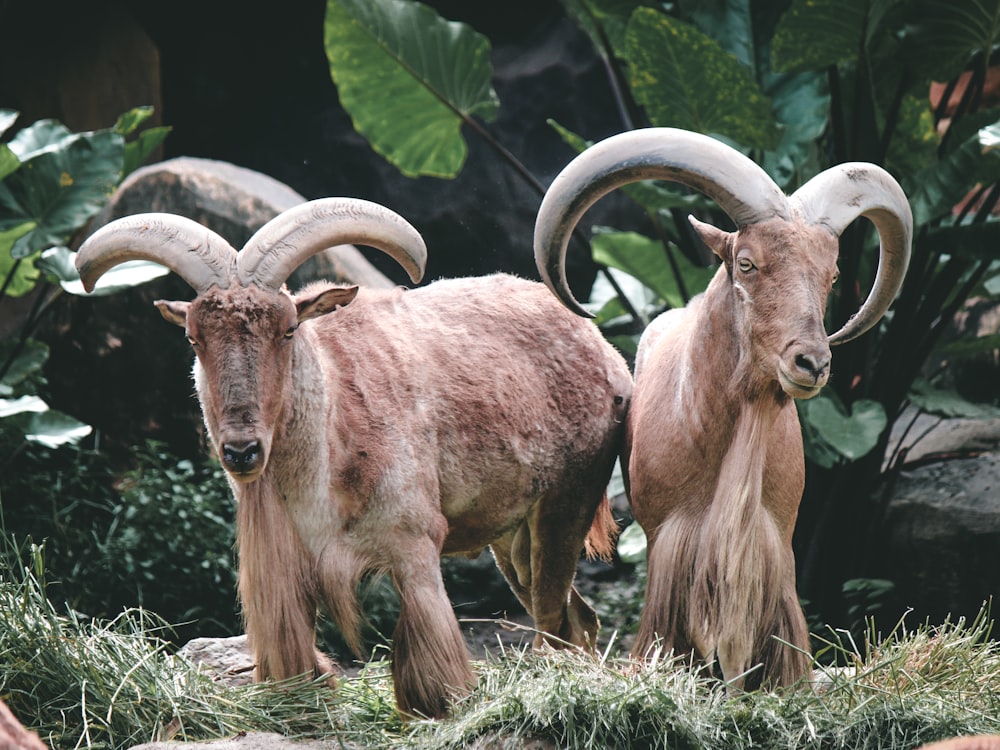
[942,521]
[942,537]
[234,202]
[227,659]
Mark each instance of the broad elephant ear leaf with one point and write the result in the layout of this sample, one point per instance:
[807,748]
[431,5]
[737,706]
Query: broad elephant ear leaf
[64,180]
[409,79]
[814,35]
[684,79]
[8,159]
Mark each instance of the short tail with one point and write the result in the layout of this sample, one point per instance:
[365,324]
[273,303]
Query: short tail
[600,541]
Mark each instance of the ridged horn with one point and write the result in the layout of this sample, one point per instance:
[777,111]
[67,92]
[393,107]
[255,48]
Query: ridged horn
[195,253]
[294,236]
[839,195]
[741,188]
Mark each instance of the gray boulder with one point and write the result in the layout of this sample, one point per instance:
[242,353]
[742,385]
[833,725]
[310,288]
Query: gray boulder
[234,202]
[942,522]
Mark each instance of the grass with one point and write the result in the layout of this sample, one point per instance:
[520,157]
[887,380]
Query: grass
[81,683]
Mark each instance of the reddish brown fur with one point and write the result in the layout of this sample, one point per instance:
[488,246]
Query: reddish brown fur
[715,469]
[402,426]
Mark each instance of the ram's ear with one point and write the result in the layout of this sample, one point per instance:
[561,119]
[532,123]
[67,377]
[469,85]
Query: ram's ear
[173,312]
[715,239]
[314,303]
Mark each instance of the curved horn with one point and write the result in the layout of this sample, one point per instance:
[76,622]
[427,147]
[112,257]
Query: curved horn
[839,195]
[195,253]
[292,237]
[740,187]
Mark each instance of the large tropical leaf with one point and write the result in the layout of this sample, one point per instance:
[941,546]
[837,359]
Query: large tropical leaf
[138,149]
[801,103]
[645,259]
[934,191]
[943,35]
[832,434]
[48,427]
[948,403]
[8,159]
[604,21]
[814,34]
[409,78]
[684,79]
[28,363]
[65,178]
[18,275]
[728,22]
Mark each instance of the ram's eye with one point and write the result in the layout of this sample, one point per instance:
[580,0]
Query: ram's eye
[192,340]
[836,275]
[745,265]
[290,332]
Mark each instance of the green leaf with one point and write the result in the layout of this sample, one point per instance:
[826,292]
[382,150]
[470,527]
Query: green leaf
[60,184]
[138,150]
[975,241]
[9,162]
[832,431]
[129,121]
[604,20]
[28,362]
[729,22]
[409,78]
[52,428]
[646,260]
[23,405]
[954,30]
[123,276]
[37,137]
[948,403]
[632,544]
[8,159]
[22,275]
[970,347]
[935,190]
[815,34]
[801,103]
[915,140]
[57,262]
[7,119]
[686,80]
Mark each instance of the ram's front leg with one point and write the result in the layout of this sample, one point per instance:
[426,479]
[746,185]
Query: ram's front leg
[430,665]
[276,589]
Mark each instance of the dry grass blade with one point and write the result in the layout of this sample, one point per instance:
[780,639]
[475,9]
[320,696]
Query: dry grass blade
[85,684]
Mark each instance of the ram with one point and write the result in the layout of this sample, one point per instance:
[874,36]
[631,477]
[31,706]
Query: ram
[372,431]
[713,452]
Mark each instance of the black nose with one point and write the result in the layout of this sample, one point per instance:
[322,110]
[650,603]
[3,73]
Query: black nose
[241,458]
[814,366]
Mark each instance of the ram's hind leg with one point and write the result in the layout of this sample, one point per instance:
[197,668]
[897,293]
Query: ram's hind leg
[512,555]
[558,528]
[430,665]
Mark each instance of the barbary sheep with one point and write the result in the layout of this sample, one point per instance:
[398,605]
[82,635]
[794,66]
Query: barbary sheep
[374,430]
[713,455]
